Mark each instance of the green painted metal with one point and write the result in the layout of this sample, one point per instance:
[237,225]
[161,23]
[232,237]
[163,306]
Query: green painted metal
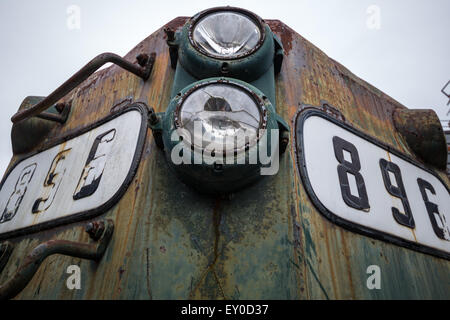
[254,71]
[266,241]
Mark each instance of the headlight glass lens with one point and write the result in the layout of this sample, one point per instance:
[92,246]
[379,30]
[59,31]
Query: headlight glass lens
[223,116]
[226,34]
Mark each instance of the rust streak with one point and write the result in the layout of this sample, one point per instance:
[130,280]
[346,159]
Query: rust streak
[216,224]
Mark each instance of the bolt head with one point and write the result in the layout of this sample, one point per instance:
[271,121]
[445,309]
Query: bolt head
[142,59]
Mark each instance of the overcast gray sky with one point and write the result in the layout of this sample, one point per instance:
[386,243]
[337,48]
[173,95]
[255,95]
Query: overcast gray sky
[405,53]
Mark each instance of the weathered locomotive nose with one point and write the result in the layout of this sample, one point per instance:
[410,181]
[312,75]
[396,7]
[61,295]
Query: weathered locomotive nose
[224,157]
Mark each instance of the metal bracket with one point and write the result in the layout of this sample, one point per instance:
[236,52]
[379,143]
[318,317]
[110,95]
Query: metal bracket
[142,70]
[279,54]
[423,134]
[5,253]
[62,108]
[155,123]
[173,47]
[35,258]
[284,133]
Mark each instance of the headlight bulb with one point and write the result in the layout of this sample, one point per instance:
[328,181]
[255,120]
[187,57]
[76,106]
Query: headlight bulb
[227,115]
[226,34]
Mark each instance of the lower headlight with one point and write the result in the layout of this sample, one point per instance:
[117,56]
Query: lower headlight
[224,117]
[213,132]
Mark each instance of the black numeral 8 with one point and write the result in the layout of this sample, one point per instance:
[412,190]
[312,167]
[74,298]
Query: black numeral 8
[344,168]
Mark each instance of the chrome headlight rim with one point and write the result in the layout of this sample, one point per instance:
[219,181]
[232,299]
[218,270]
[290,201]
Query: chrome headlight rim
[252,16]
[260,102]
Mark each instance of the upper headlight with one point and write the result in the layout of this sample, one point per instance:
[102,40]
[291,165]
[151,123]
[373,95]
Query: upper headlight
[226,34]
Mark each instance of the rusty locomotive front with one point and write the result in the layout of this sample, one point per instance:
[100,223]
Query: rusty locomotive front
[224,157]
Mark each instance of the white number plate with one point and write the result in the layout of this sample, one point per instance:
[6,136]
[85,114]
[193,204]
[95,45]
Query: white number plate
[83,176]
[356,182]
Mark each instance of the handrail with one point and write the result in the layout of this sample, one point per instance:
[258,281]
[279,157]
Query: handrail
[143,70]
[33,260]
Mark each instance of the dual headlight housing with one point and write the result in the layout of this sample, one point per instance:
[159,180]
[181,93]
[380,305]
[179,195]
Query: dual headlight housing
[218,130]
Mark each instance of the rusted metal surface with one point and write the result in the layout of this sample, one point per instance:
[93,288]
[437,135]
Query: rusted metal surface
[267,241]
[25,135]
[5,252]
[333,261]
[33,260]
[145,61]
[423,133]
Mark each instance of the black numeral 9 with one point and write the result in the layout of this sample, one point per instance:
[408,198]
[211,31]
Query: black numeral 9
[344,168]
[398,191]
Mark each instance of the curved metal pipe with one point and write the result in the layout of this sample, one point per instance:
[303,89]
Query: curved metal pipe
[142,71]
[32,262]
